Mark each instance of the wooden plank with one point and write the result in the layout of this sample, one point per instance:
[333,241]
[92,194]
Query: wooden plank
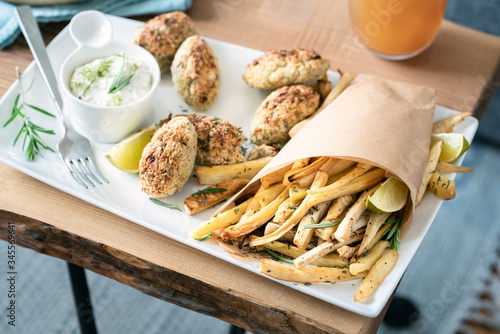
[156,265]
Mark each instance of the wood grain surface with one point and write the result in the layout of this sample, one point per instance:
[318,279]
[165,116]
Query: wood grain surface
[462,64]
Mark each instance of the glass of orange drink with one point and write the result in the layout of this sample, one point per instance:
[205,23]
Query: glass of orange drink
[396,29]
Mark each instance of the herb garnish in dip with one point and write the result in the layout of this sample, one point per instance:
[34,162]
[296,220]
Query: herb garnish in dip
[111,81]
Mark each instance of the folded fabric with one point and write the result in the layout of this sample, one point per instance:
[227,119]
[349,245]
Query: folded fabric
[9,29]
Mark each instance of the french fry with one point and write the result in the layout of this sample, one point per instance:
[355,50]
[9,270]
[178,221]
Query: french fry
[297,173]
[346,252]
[303,235]
[216,174]
[325,248]
[268,195]
[360,183]
[430,166]
[300,163]
[308,180]
[223,220]
[331,260]
[336,172]
[324,88]
[256,220]
[376,275]
[285,210]
[345,80]
[289,273]
[446,167]
[274,177]
[367,261]
[380,234]
[446,125]
[357,209]
[356,172]
[201,201]
[442,187]
[374,224]
[326,232]
[338,206]
[271,227]
[297,193]
[362,221]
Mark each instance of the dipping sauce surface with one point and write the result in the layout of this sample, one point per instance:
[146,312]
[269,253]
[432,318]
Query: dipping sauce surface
[112,81]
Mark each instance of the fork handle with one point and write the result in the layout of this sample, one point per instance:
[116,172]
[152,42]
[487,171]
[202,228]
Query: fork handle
[33,36]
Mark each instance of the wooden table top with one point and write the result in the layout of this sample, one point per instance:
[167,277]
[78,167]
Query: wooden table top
[462,64]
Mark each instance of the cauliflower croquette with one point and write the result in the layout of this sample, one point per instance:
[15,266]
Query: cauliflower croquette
[196,73]
[163,34]
[280,68]
[219,142]
[168,160]
[280,111]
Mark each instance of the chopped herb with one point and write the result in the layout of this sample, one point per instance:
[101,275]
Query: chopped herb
[329,224]
[307,284]
[123,84]
[236,210]
[205,237]
[208,190]
[279,257]
[170,206]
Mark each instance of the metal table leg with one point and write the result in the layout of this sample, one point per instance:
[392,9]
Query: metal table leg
[82,299]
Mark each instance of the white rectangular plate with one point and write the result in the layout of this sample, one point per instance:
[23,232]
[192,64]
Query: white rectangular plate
[237,103]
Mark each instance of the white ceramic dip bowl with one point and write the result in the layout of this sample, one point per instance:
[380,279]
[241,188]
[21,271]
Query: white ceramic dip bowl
[92,33]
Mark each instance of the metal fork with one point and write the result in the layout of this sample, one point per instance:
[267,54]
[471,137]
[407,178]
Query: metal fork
[73,149]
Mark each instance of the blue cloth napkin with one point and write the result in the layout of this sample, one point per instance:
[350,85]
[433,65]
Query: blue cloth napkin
[9,29]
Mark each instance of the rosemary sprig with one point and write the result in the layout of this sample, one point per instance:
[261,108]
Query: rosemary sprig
[392,235]
[208,190]
[170,206]
[279,257]
[116,85]
[32,142]
[329,224]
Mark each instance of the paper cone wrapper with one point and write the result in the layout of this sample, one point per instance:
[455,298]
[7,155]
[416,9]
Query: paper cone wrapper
[383,123]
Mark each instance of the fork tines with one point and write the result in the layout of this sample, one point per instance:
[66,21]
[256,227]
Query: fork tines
[85,172]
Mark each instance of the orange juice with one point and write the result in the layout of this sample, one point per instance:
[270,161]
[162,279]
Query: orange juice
[396,28]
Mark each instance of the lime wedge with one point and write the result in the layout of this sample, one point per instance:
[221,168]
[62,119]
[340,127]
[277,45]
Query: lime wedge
[126,154]
[454,145]
[391,196]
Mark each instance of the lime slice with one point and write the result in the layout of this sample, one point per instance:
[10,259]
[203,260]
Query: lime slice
[391,196]
[126,154]
[454,145]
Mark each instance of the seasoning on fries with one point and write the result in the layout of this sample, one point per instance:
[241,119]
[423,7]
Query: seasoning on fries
[327,219]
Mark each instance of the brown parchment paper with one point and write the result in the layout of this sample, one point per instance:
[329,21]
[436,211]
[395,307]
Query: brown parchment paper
[384,123]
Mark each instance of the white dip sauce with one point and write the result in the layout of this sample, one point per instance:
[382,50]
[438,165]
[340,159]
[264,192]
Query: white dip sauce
[94,82]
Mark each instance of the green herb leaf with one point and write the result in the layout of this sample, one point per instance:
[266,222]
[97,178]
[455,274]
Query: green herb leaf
[123,84]
[330,224]
[205,237]
[32,140]
[392,235]
[170,206]
[209,190]
[279,257]
[40,110]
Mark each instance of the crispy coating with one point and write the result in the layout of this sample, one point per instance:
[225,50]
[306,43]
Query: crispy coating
[196,73]
[163,34]
[280,68]
[168,160]
[262,151]
[280,111]
[219,142]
